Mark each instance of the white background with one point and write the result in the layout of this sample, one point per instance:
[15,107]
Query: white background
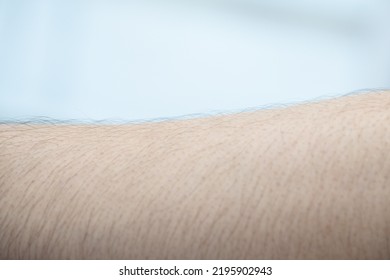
[302,270]
[129,60]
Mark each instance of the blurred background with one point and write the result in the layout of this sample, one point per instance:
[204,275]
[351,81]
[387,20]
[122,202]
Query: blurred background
[130,60]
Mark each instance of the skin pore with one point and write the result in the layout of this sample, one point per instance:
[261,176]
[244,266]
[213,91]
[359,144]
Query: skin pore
[310,181]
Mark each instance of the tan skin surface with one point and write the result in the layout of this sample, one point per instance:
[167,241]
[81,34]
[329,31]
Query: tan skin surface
[304,182]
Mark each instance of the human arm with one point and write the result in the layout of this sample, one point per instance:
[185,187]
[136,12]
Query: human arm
[304,182]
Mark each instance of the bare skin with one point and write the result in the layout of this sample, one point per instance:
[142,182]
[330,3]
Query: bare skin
[305,182]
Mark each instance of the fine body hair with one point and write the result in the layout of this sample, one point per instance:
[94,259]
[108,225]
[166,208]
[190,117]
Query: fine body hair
[310,181]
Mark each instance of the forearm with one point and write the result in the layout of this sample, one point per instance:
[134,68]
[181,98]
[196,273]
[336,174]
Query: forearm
[309,181]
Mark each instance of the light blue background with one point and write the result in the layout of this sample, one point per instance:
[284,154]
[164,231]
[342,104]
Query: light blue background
[93,60]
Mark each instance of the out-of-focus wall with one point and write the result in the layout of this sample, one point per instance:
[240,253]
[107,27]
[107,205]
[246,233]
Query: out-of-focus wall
[117,59]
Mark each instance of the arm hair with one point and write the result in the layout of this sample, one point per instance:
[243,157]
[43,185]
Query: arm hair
[310,181]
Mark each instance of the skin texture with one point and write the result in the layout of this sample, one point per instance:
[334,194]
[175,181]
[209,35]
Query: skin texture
[304,182]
